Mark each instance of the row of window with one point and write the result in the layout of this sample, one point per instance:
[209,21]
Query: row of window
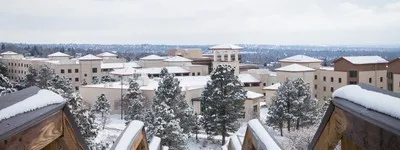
[380,79]
[18,64]
[316,87]
[17,71]
[251,84]
[194,73]
[69,71]
[332,79]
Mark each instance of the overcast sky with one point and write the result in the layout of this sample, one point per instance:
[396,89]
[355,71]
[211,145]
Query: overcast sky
[321,22]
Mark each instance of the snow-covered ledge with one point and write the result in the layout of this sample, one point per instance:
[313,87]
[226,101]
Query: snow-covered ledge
[370,99]
[42,99]
[131,132]
[261,134]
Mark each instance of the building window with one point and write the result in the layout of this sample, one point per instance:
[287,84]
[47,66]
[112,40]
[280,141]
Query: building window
[381,79]
[315,86]
[324,78]
[94,70]
[264,84]
[76,70]
[256,84]
[246,85]
[76,88]
[69,70]
[332,89]
[315,77]
[353,73]
[198,73]
[62,70]
[70,79]
[331,79]
[193,74]
[340,80]
[390,87]
[390,75]
[85,75]
[315,95]
[76,79]
[353,82]
[324,88]
[370,80]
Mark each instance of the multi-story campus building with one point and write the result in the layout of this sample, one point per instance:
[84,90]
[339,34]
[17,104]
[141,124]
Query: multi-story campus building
[192,69]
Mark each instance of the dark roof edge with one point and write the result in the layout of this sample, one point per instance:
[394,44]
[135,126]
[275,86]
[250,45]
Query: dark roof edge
[322,125]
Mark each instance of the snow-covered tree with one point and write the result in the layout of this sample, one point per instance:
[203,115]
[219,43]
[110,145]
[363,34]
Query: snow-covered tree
[3,69]
[222,102]
[304,107]
[5,86]
[45,74]
[60,85]
[279,108]
[136,103]
[102,106]
[166,109]
[31,77]
[84,118]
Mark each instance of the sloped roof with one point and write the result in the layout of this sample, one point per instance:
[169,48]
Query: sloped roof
[248,78]
[106,54]
[58,54]
[152,57]
[9,53]
[253,95]
[225,47]
[119,65]
[294,68]
[89,57]
[358,60]
[16,119]
[300,59]
[177,59]
[272,87]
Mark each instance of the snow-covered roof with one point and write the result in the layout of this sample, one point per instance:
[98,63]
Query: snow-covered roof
[106,54]
[177,59]
[225,47]
[365,59]
[300,59]
[9,53]
[155,143]
[37,59]
[294,68]
[157,70]
[379,102]
[131,132]
[327,68]
[272,87]
[253,95]
[58,54]
[152,57]
[41,99]
[127,71]
[261,135]
[248,78]
[89,57]
[119,65]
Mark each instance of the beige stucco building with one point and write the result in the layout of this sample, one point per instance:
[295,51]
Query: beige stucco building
[393,75]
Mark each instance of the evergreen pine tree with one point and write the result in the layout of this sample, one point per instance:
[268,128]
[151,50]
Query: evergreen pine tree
[45,74]
[31,77]
[84,118]
[3,69]
[3,47]
[102,106]
[304,108]
[5,86]
[136,103]
[222,102]
[60,85]
[166,102]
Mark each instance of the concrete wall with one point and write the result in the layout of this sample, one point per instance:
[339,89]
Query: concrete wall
[151,63]
[315,65]
[319,92]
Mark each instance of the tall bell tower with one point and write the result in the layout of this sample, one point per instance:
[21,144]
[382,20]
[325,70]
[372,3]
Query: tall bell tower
[226,54]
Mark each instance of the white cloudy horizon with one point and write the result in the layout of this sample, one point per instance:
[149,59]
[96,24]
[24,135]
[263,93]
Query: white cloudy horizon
[277,22]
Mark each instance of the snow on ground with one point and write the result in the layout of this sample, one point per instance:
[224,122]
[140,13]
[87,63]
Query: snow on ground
[42,99]
[115,126]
